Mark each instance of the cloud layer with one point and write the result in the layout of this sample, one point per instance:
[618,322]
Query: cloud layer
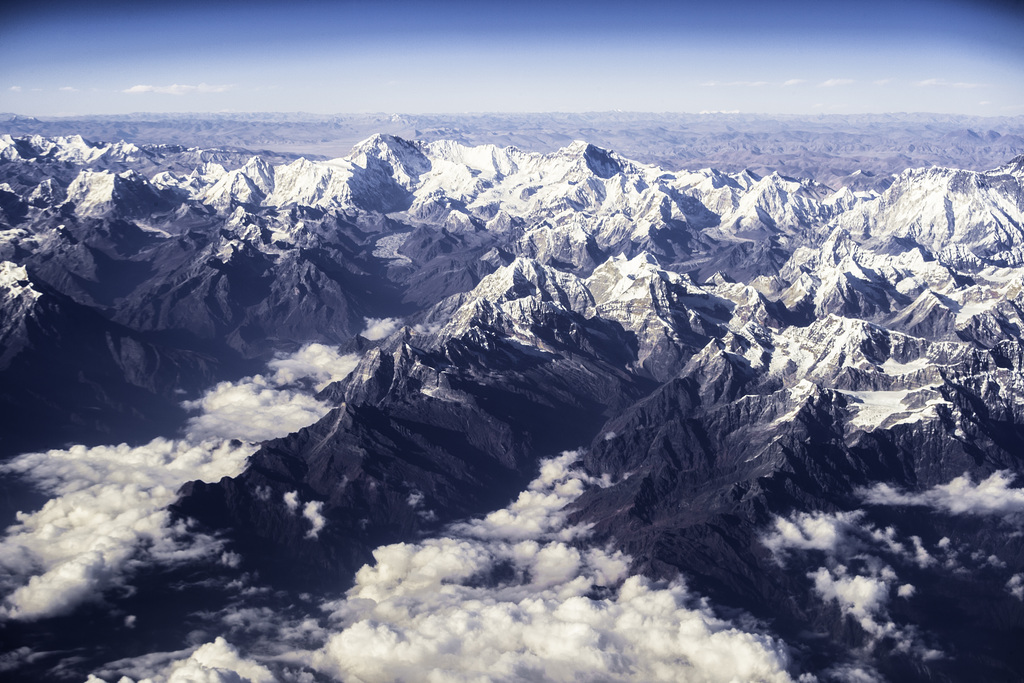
[992,496]
[108,506]
[507,598]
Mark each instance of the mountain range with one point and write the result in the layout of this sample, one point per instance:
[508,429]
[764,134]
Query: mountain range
[491,413]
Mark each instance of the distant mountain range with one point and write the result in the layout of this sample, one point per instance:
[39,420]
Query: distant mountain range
[479,412]
[857,151]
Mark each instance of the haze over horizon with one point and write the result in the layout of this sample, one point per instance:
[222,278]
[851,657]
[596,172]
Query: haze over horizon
[947,57]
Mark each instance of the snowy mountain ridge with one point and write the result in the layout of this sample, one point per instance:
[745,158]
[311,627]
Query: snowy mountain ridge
[771,387]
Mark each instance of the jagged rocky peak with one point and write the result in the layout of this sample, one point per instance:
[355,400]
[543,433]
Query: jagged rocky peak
[15,283]
[250,184]
[619,274]
[47,193]
[260,172]
[401,159]
[623,287]
[103,192]
[601,162]
[1015,167]
[17,302]
[938,208]
[208,169]
[488,161]
[527,278]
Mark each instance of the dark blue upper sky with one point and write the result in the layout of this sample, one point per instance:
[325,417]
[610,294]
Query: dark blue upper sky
[394,56]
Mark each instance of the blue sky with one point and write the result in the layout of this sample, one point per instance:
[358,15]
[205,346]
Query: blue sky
[946,56]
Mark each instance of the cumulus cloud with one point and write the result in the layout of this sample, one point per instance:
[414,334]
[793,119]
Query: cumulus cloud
[540,509]
[262,407]
[992,496]
[177,89]
[416,502]
[853,673]
[255,409]
[108,501]
[311,511]
[215,662]
[642,633]
[317,362]
[108,506]
[817,530]
[864,597]
[1016,586]
[853,574]
[379,328]
[506,598]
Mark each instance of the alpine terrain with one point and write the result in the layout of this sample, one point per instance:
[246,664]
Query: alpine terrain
[433,411]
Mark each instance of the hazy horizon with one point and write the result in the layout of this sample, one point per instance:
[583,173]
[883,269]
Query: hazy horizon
[794,58]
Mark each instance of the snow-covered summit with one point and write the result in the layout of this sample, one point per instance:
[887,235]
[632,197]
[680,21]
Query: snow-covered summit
[939,208]
[101,192]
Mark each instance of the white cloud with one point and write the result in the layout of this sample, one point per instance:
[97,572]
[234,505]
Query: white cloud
[108,506]
[863,597]
[178,89]
[254,409]
[992,496]
[833,82]
[942,82]
[108,501]
[379,328]
[68,88]
[215,662]
[643,633]
[434,610]
[428,609]
[318,362]
[853,575]
[311,511]
[813,531]
[539,510]
[15,88]
[1016,586]
[794,81]
[264,407]
[852,673]
[921,554]
[416,502]
[291,501]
